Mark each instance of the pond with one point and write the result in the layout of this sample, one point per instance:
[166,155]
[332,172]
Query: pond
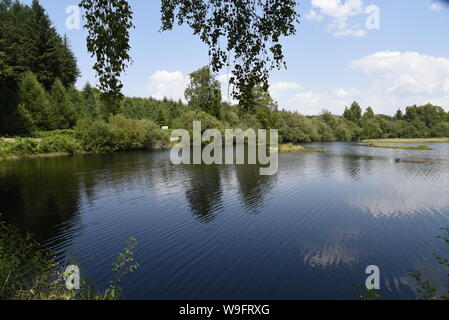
[225,232]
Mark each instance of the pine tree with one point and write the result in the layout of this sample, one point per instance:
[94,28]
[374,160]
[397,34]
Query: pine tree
[29,43]
[69,71]
[92,102]
[35,100]
[46,61]
[62,115]
[76,99]
[24,123]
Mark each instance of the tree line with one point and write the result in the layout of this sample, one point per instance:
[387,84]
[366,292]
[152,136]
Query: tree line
[38,71]
[30,44]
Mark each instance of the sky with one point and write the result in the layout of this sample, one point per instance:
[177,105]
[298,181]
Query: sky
[387,54]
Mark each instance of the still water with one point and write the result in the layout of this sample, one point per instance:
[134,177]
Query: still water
[224,232]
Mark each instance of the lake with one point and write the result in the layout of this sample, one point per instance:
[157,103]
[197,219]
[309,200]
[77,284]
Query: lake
[225,232]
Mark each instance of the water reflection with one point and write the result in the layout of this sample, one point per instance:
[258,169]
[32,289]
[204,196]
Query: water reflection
[29,188]
[227,232]
[252,187]
[203,191]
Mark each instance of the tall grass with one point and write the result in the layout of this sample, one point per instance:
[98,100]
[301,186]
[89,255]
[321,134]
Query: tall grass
[27,272]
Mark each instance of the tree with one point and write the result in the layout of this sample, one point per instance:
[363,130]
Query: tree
[343,133]
[62,112]
[92,102]
[45,48]
[29,43]
[69,71]
[371,129]
[8,96]
[204,91]
[260,98]
[5,70]
[24,123]
[354,113]
[250,30]
[441,130]
[108,23]
[327,117]
[35,101]
[369,113]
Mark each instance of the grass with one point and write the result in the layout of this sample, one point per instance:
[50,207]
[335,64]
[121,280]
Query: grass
[27,272]
[51,144]
[290,147]
[388,146]
[407,140]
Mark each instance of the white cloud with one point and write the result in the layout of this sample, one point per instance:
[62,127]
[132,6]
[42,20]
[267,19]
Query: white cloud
[394,80]
[435,6]
[312,102]
[224,78]
[277,88]
[408,72]
[307,100]
[226,88]
[404,78]
[446,86]
[356,33]
[313,15]
[340,11]
[168,84]
[343,93]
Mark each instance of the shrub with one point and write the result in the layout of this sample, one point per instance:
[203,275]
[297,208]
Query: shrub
[24,147]
[229,117]
[185,121]
[93,135]
[61,143]
[22,263]
[120,134]
[47,134]
[27,272]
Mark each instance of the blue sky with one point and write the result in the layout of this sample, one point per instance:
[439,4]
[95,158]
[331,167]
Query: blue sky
[332,60]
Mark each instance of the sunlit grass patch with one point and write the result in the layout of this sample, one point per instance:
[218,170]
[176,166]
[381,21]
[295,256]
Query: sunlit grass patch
[388,146]
[409,140]
[290,147]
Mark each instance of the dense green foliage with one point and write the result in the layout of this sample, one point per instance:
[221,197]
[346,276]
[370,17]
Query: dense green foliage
[242,34]
[22,263]
[120,134]
[204,91]
[28,272]
[57,142]
[108,23]
[30,44]
[38,70]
